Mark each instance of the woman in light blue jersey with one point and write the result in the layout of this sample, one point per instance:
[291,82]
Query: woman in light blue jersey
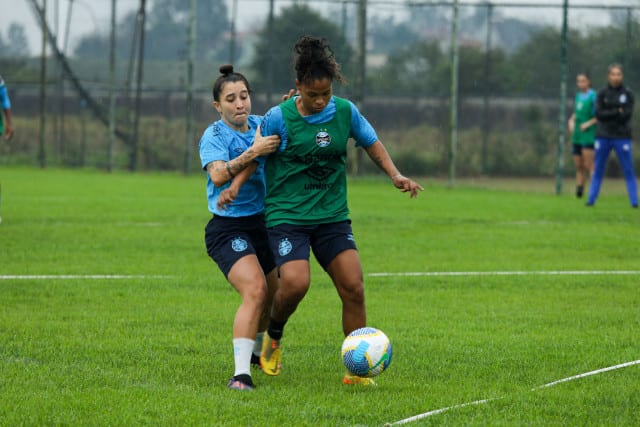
[6,127]
[236,237]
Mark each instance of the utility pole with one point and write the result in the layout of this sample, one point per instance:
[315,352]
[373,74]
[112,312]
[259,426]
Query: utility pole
[563,98]
[112,84]
[59,79]
[232,39]
[65,43]
[486,126]
[361,67]
[627,50]
[269,70]
[453,107]
[191,40]
[133,156]
[43,85]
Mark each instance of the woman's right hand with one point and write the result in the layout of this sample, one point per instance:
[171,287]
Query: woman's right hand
[264,145]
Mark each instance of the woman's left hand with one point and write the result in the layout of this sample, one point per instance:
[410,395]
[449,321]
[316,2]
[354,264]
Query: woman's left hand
[227,196]
[405,185]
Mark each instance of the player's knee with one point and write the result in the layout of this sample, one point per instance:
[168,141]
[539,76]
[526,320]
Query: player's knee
[352,292]
[294,291]
[257,294]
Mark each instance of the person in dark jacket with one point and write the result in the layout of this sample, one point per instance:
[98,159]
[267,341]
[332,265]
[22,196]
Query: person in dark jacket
[614,107]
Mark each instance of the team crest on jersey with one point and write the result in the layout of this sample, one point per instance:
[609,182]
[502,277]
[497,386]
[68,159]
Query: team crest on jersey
[284,247]
[579,105]
[623,98]
[323,139]
[239,244]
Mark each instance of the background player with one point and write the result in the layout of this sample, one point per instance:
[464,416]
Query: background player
[614,107]
[582,127]
[6,126]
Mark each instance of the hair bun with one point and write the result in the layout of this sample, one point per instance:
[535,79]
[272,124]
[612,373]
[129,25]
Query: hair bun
[226,69]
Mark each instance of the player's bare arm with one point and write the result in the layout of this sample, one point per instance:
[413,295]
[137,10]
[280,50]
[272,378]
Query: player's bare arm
[229,194]
[8,131]
[221,172]
[381,158]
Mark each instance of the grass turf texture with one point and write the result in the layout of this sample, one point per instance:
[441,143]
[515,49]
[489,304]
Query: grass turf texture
[157,350]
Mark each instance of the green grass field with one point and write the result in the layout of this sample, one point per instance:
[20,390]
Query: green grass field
[154,348]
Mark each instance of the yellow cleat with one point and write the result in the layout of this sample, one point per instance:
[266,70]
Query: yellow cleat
[356,380]
[270,356]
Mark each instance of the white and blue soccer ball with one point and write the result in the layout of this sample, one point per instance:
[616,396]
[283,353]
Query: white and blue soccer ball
[366,352]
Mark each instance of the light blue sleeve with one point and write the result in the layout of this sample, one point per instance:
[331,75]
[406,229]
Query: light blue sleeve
[273,124]
[212,146]
[361,130]
[4,97]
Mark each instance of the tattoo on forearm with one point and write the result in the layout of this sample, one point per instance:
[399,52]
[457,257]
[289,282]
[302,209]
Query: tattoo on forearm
[232,167]
[235,166]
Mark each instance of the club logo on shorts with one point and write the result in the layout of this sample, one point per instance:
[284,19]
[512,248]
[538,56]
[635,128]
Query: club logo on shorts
[323,139]
[350,237]
[284,247]
[239,244]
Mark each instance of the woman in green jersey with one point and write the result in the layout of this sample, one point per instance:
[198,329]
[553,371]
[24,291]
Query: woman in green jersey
[306,203]
[582,127]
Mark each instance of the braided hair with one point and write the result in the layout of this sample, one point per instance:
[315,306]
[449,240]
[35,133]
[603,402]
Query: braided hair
[313,59]
[228,76]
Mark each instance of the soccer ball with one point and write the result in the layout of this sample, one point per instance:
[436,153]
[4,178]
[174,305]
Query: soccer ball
[366,352]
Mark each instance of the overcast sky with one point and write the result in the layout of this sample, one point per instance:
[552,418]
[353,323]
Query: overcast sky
[91,14]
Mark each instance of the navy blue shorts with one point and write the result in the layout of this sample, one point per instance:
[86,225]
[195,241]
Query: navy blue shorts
[228,239]
[577,148]
[291,242]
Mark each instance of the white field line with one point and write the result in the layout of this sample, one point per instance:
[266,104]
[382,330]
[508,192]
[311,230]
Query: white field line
[480,402]
[508,273]
[81,276]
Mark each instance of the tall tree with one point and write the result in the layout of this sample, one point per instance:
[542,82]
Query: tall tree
[168,23]
[17,43]
[166,35]
[293,22]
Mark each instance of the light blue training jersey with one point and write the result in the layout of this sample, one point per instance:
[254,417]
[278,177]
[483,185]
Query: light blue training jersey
[220,142]
[361,130]
[4,96]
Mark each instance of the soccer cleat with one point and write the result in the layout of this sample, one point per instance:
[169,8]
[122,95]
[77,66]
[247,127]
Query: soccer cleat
[241,382]
[356,380]
[270,356]
[579,191]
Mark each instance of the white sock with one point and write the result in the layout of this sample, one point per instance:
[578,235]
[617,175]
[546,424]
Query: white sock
[257,347]
[242,348]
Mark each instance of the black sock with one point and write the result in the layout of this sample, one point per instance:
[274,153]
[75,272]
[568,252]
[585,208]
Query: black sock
[244,378]
[275,328]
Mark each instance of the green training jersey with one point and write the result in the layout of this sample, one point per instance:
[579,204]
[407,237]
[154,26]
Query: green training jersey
[584,111]
[306,182]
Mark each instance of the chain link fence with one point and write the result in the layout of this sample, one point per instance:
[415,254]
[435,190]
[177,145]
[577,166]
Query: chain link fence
[508,91]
